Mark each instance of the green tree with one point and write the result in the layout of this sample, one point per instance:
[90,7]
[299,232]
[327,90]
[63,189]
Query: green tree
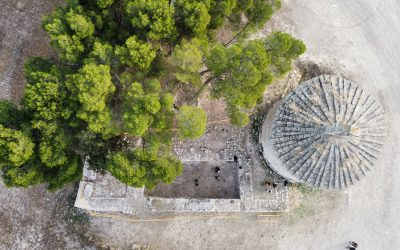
[140,105]
[104,3]
[70,48]
[42,99]
[53,150]
[9,114]
[217,60]
[69,31]
[68,172]
[95,149]
[238,118]
[167,101]
[24,176]
[153,19]
[191,122]
[242,76]
[108,98]
[283,48]
[81,26]
[102,53]
[141,168]
[219,10]
[135,53]
[126,170]
[137,124]
[261,11]
[192,17]
[241,72]
[37,64]
[188,58]
[42,96]
[256,13]
[15,147]
[92,86]
[164,169]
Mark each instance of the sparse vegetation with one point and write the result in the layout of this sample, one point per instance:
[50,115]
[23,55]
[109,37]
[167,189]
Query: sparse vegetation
[304,189]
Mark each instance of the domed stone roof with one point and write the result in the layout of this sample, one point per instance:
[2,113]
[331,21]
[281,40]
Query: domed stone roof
[327,133]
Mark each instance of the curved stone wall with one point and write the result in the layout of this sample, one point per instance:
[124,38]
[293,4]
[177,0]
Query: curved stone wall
[327,133]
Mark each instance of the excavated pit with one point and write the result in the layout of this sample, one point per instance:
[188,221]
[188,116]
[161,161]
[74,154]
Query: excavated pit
[202,180]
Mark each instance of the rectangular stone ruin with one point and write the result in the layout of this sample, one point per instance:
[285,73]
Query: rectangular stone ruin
[240,186]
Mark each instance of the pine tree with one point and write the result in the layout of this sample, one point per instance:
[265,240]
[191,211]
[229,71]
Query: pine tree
[108,98]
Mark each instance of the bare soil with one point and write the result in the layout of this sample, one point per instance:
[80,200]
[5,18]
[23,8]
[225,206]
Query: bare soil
[21,37]
[33,218]
[202,180]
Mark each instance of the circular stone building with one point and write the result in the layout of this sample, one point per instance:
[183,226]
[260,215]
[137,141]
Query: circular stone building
[327,133]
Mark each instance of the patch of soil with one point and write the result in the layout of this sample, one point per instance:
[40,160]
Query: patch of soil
[309,69]
[34,218]
[202,180]
[21,38]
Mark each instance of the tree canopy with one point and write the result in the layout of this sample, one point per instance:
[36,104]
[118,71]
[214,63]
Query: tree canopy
[92,85]
[241,72]
[135,53]
[188,58]
[8,114]
[15,147]
[152,19]
[108,98]
[191,122]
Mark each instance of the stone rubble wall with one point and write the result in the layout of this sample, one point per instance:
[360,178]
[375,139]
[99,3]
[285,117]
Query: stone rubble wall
[95,192]
[134,202]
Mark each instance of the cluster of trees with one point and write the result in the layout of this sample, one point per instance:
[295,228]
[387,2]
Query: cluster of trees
[109,96]
[241,72]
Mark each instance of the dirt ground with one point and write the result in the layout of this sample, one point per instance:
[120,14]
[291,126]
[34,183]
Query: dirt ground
[358,39]
[21,37]
[202,180]
[36,219]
